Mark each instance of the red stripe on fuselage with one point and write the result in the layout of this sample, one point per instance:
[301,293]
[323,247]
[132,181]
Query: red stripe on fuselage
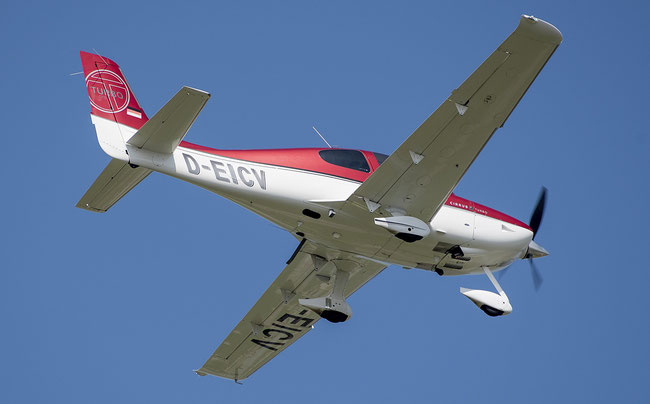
[466,204]
[302,159]
[308,159]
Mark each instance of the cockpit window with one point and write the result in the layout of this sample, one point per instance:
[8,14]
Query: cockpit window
[353,159]
[380,157]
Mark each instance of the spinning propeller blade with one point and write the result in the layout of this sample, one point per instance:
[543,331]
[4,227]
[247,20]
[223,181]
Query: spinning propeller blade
[537,277]
[538,213]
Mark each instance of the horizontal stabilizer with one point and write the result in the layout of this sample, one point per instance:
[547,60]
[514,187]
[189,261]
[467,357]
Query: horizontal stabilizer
[113,183]
[163,132]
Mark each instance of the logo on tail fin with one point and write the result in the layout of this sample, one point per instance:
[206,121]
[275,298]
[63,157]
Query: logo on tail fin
[107,91]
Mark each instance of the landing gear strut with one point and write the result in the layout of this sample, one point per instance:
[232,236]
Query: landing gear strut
[333,307]
[492,304]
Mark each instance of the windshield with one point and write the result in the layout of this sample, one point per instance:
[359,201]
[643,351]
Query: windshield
[352,159]
[381,157]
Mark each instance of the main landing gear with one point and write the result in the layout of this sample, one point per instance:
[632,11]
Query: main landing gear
[333,307]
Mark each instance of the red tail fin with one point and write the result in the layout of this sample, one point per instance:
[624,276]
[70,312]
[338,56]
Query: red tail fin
[110,95]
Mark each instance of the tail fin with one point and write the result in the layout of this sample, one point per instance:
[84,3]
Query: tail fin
[117,116]
[115,112]
[121,123]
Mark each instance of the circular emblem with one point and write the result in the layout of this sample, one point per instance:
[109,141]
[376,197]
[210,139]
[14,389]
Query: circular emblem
[107,91]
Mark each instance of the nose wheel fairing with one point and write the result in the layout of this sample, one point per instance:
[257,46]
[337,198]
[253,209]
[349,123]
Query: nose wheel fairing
[490,303]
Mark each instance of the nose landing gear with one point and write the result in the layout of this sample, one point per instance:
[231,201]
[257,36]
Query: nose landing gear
[492,304]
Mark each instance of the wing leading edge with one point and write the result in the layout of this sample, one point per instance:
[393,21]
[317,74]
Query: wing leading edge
[277,319]
[420,175]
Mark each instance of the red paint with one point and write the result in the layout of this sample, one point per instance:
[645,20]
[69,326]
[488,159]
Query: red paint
[303,159]
[111,97]
[109,94]
[462,203]
[370,156]
[308,159]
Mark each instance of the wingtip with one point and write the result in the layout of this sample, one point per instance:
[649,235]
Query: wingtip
[197,91]
[540,29]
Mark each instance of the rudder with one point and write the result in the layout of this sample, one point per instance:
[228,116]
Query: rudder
[115,111]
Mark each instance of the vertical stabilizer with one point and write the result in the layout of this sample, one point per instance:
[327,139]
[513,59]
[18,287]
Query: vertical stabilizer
[115,112]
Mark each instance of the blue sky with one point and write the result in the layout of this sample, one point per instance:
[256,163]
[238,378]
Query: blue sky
[121,307]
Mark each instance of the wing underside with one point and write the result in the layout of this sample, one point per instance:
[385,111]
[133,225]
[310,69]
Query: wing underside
[420,175]
[415,180]
[277,319]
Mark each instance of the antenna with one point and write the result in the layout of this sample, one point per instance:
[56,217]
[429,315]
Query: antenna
[321,136]
[98,54]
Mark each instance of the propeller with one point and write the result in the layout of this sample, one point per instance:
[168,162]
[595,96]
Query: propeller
[537,250]
[535,222]
[537,278]
[538,213]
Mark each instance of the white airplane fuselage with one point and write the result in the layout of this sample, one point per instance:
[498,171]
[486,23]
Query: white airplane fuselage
[354,211]
[282,194]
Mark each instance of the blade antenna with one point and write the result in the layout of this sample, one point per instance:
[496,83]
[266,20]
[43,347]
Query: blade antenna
[98,54]
[321,136]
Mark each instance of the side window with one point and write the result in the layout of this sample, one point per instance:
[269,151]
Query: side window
[353,159]
[380,157]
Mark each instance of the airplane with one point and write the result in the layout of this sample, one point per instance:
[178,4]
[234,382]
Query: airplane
[353,212]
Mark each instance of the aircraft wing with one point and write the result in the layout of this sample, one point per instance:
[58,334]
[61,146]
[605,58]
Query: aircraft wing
[117,179]
[277,320]
[420,175]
